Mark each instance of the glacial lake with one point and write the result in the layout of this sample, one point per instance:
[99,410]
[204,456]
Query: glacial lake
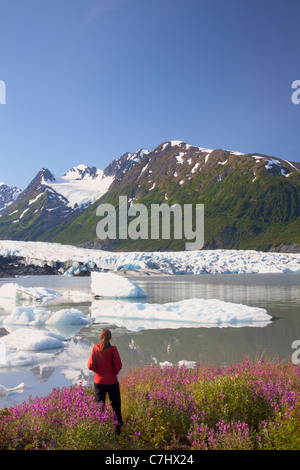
[279,294]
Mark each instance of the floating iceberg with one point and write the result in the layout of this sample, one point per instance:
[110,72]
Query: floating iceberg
[114,285]
[27,339]
[13,294]
[183,363]
[23,359]
[69,316]
[187,364]
[185,313]
[39,316]
[31,316]
[6,391]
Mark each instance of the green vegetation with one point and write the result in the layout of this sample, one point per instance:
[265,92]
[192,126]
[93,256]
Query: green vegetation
[243,406]
[247,206]
[239,213]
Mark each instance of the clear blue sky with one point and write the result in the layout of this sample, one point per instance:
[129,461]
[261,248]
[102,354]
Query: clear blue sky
[88,80]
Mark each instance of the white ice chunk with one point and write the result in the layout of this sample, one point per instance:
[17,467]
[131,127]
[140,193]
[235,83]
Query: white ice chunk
[29,339]
[187,364]
[6,391]
[38,316]
[165,364]
[31,316]
[185,313]
[20,359]
[114,285]
[69,316]
[19,294]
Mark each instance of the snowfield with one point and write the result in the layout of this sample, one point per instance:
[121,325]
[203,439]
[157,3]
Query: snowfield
[72,259]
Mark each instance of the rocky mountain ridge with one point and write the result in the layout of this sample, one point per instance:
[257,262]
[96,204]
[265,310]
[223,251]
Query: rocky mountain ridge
[252,201]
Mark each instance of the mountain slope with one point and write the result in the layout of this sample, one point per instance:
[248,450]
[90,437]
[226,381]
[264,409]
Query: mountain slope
[8,194]
[35,210]
[50,200]
[251,201]
[81,185]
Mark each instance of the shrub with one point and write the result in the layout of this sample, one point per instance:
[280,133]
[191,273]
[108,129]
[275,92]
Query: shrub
[244,406]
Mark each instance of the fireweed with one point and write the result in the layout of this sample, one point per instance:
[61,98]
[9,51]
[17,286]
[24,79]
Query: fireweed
[243,406]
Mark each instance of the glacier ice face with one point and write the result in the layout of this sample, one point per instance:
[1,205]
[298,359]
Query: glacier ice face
[192,262]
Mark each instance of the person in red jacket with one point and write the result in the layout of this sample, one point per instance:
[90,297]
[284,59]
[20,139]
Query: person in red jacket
[106,363]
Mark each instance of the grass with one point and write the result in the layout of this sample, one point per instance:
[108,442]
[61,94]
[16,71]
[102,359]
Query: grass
[244,406]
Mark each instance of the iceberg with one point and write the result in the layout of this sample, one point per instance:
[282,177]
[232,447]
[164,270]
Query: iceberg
[185,313]
[30,339]
[69,316]
[114,285]
[39,316]
[6,391]
[187,364]
[13,294]
[22,359]
[31,316]
[183,363]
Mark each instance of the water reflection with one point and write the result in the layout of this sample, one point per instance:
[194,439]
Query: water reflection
[252,289]
[278,294]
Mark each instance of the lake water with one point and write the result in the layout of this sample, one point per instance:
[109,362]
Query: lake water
[279,294]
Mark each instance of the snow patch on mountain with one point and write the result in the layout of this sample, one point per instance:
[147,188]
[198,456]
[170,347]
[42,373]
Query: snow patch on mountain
[80,185]
[8,195]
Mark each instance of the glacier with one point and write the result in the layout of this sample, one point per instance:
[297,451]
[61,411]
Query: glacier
[67,257]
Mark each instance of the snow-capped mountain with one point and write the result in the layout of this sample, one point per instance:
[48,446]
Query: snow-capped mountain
[251,200]
[81,185]
[50,200]
[8,194]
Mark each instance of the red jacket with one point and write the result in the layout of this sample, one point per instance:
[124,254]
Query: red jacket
[106,364]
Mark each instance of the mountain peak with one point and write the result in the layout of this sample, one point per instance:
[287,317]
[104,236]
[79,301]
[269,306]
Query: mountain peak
[82,171]
[8,195]
[46,175]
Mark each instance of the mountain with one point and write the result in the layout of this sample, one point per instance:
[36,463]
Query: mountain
[80,186]
[50,200]
[8,194]
[251,201]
